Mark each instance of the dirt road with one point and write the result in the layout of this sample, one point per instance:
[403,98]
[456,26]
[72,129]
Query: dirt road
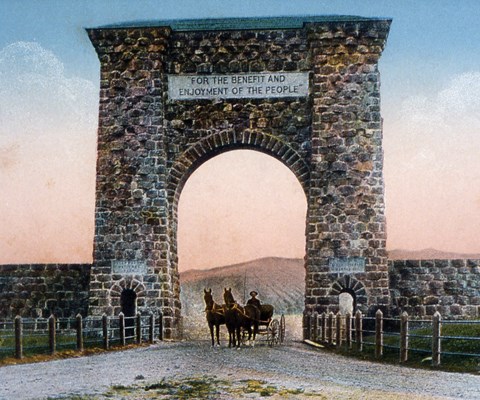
[293,371]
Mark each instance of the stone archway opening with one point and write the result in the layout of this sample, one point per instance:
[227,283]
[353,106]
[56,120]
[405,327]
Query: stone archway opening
[245,210]
[346,303]
[128,303]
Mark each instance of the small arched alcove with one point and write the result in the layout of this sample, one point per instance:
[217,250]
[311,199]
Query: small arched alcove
[128,302]
[346,302]
[352,295]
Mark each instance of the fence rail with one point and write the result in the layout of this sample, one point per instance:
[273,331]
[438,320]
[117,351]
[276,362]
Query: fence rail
[402,334]
[49,335]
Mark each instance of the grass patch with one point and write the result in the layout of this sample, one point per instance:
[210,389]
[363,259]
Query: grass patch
[419,354]
[60,355]
[203,387]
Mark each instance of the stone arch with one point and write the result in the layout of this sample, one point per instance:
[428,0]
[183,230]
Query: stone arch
[215,144]
[118,288]
[228,140]
[348,284]
[329,134]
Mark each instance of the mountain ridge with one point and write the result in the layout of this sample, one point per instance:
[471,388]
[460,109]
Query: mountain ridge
[279,281]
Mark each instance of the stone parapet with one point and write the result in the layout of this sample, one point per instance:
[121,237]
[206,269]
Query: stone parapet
[423,287]
[39,290]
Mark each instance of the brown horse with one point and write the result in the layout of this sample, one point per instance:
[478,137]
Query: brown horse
[237,317]
[215,314]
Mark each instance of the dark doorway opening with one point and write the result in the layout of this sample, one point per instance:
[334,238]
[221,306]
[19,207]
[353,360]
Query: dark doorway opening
[128,302]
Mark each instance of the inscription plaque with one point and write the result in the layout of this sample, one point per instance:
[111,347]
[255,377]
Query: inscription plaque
[126,267]
[238,86]
[346,265]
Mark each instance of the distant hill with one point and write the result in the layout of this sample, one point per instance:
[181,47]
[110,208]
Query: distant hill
[429,254]
[279,282]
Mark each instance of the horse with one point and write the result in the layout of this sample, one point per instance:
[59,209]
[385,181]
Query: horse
[215,314]
[237,317]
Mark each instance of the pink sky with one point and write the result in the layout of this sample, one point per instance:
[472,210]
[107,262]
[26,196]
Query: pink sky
[240,205]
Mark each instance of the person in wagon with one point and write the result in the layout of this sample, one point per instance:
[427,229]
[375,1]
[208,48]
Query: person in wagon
[253,301]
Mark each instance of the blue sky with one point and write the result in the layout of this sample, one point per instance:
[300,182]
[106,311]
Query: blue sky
[429,40]
[49,72]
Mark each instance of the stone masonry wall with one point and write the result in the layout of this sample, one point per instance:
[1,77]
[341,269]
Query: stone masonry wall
[39,290]
[422,287]
[149,144]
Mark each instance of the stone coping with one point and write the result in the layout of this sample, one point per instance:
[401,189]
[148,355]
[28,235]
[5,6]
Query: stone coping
[223,24]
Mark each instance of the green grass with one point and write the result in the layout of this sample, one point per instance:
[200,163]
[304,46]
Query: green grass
[34,344]
[422,358]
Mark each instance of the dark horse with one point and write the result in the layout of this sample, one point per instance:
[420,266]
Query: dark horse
[237,317]
[215,315]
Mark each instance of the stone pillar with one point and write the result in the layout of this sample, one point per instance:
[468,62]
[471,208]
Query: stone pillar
[346,215]
[131,244]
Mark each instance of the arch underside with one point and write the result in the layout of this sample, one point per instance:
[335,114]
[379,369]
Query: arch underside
[229,140]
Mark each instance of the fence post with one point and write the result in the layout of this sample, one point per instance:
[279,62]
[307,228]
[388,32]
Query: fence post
[324,327]
[378,333]
[305,326]
[330,328]
[404,337]
[79,332]
[151,328]
[18,337]
[315,326]
[348,330]
[308,322]
[338,332]
[121,328]
[105,331]
[436,338]
[160,326]
[359,330]
[52,334]
[138,321]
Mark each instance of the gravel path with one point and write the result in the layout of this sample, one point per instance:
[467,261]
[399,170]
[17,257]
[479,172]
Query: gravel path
[292,366]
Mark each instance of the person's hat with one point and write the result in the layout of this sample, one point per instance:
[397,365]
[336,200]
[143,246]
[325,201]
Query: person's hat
[253,293]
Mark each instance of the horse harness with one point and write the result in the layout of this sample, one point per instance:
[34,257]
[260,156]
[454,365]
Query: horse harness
[216,309]
[241,311]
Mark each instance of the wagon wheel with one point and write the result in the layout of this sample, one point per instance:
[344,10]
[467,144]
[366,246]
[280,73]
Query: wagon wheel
[282,329]
[273,330]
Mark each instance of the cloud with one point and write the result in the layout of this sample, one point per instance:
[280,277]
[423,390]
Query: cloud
[37,97]
[453,111]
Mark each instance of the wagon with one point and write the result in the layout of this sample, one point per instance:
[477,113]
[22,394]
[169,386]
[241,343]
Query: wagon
[272,329]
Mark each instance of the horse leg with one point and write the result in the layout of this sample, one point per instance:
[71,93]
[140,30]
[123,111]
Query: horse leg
[239,337]
[210,325]
[217,330]
[231,337]
[249,330]
[255,331]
